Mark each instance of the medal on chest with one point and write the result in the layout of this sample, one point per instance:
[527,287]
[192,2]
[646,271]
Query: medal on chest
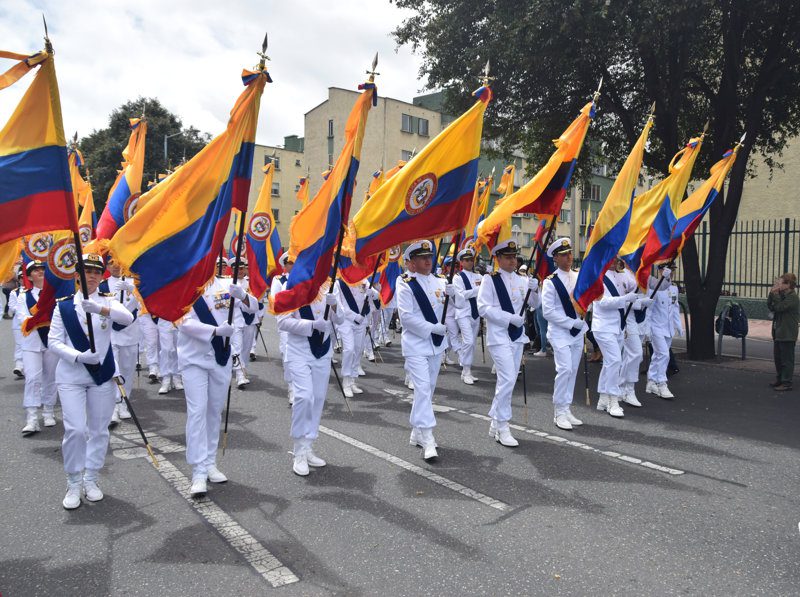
[222,300]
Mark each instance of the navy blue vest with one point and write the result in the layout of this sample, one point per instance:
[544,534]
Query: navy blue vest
[614,292]
[425,307]
[566,301]
[317,342]
[31,303]
[100,373]
[473,302]
[221,354]
[514,332]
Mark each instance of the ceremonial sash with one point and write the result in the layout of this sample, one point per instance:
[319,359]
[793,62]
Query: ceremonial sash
[425,307]
[640,315]
[155,319]
[377,303]
[104,287]
[317,342]
[248,317]
[31,303]
[118,327]
[283,279]
[221,354]
[566,302]
[349,298]
[473,302]
[514,332]
[100,373]
[614,292]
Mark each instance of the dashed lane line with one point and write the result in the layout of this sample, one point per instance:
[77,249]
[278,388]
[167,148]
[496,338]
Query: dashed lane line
[125,442]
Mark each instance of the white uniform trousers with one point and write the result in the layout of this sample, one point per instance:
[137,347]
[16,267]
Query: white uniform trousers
[167,348]
[310,382]
[206,391]
[17,346]
[507,358]
[378,334]
[87,411]
[658,363]
[423,372]
[126,365]
[469,334]
[236,340]
[352,339]
[611,346]
[568,359]
[248,340]
[40,379]
[631,357]
[150,339]
[282,339]
[453,338]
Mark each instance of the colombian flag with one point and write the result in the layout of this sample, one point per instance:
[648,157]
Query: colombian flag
[125,191]
[314,231]
[659,249]
[35,189]
[9,256]
[59,281]
[611,227]
[544,263]
[545,192]
[479,209]
[646,206]
[302,192]
[86,221]
[432,194]
[80,188]
[171,244]
[263,242]
[389,275]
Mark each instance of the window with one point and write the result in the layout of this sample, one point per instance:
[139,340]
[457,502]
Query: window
[527,239]
[406,124]
[594,192]
[422,127]
[296,188]
[405,155]
[276,189]
[566,216]
[297,163]
[276,215]
[274,159]
[330,160]
[330,129]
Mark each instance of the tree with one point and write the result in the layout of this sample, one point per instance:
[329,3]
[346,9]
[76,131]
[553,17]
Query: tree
[735,63]
[102,149]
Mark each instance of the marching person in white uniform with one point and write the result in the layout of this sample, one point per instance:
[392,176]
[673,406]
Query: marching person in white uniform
[38,362]
[634,330]
[500,300]
[16,325]
[308,356]
[467,284]
[453,338]
[124,338]
[148,326]
[244,333]
[420,302]
[84,379]
[205,365]
[278,284]
[354,302]
[168,357]
[565,331]
[660,321]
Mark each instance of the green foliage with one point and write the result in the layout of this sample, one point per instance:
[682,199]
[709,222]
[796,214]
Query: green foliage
[102,149]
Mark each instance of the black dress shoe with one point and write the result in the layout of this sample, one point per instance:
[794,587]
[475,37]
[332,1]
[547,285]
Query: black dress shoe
[784,387]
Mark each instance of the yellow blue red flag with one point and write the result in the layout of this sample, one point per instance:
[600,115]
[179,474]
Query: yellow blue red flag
[659,248]
[263,241]
[124,193]
[60,258]
[545,192]
[171,244]
[35,188]
[319,227]
[432,194]
[610,228]
[666,195]
[9,256]
[302,192]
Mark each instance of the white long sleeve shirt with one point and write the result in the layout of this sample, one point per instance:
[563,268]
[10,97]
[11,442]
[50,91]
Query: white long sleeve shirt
[416,338]
[559,323]
[489,305]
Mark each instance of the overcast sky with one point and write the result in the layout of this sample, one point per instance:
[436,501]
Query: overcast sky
[190,53]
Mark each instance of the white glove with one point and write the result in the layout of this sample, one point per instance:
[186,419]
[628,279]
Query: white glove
[533,284]
[358,319]
[90,306]
[127,285]
[645,302]
[450,290]
[577,324]
[516,320]
[584,327]
[667,273]
[330,299]
[237,292]
[439,329]
[224,330]
[321,325]
[631,297]
[373,294]
[87,357]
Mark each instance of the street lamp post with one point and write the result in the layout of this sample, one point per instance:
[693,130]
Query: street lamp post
[166,139]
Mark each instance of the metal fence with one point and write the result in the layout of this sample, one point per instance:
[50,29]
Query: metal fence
[758,252]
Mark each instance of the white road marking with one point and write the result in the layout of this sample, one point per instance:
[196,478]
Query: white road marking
[125,445]
[406,397]
[418,470]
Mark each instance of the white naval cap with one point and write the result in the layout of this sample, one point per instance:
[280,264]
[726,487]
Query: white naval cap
[93,260]
[507,247]
[560,245]
[465,253]
[417,249]
[283,259]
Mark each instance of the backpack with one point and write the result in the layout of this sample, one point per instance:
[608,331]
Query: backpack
[735,322]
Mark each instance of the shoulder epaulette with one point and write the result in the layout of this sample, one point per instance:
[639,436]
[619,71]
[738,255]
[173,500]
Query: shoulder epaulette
[406,277]
[24,290]
[497,273]
[551,276]
[63,298]
[107,294]
[441,276]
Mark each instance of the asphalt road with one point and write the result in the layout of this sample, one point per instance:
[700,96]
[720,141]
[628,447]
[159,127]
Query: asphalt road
[693,496]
